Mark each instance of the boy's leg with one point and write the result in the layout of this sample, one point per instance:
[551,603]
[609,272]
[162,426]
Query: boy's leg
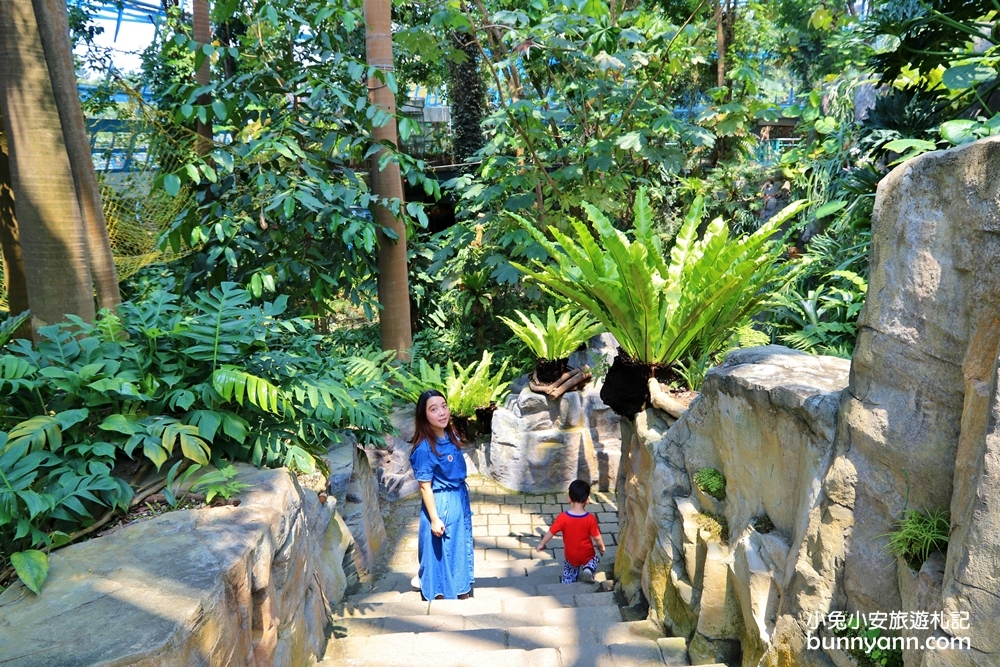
[570,572]
[588,570]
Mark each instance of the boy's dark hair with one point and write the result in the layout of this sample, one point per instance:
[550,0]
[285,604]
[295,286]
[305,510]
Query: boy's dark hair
[579,491]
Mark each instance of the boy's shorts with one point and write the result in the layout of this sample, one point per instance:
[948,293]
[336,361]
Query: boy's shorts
[571,573]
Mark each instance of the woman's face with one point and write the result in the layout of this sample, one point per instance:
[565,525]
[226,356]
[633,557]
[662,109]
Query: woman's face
[438,415]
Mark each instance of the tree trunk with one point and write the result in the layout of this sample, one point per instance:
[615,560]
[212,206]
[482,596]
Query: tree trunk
[203,35]
[10,244]
[467,100]
[53,26]
[53,242]
[720,44]
[393,286]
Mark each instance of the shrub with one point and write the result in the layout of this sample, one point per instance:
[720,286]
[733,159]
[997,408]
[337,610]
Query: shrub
[214,379]
[659,311]
[558,337]
[920,533]
[712,482]
[464,387]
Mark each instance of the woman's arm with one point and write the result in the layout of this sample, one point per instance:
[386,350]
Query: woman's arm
[427,494]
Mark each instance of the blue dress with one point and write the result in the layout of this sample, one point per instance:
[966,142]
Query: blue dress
[446,566]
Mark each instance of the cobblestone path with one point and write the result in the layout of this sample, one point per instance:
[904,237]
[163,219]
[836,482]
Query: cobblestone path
[520,615]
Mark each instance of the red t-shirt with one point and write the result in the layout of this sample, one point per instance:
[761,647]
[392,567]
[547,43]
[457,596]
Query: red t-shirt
[577,531]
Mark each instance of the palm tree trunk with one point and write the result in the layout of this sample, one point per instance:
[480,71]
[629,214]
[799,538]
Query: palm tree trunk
[203,35]
[53,241]
[53,25]
[393,285]
[10,243]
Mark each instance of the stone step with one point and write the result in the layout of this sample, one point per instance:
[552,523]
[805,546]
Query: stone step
[379,618]
[473,606]
[673,650]
[487,590]
[492,645]
[503,658]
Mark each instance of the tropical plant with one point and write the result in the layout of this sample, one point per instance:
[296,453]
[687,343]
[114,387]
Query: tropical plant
[464,387]
[558,337]
[712,482]
[824,320]
[919,534]
[655,310]
[215,379]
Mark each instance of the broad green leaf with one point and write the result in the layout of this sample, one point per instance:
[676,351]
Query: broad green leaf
[829,208]
[960,77]
[630,141]
[172,184]
[825,125]
[119,424]
[901,145]
[219,109]
[32,567]
[961,131]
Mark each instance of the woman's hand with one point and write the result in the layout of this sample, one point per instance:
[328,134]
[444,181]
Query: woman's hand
[437,527]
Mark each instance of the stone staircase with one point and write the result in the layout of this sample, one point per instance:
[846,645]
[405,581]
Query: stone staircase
[519,615]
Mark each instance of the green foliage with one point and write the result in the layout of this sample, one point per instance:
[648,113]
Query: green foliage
[716,525]
[556,338]
[824,320]
[12,324]
[920,533]
[660,312]
[281,207]
[218,482]
[891,657]
[696,367]
[209,380]
[712,482]
[464,387]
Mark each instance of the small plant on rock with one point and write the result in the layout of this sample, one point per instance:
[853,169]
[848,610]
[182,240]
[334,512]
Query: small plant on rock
[712,482]
[920,533]
[762,524]
[878,657]
[716,525]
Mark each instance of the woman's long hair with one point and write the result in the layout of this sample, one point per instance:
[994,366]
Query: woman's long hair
[422,428]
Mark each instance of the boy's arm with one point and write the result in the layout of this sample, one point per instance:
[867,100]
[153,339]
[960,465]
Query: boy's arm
[596,536]
[545,540]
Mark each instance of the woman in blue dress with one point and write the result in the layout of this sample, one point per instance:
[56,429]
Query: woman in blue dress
[444,542]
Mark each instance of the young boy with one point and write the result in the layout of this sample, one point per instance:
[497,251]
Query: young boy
[580,534]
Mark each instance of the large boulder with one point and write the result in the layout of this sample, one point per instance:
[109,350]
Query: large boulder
[918,424]
[766,419]
[539,445]
[246,585]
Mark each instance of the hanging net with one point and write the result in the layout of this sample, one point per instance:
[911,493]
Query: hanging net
[129,151]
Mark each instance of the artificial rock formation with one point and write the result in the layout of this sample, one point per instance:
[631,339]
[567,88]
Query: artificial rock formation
[766,419]
[540,445]
[229,586]
[918,427]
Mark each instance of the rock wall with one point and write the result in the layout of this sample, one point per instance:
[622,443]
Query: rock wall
[227,586]
[766,419]
[918,427]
